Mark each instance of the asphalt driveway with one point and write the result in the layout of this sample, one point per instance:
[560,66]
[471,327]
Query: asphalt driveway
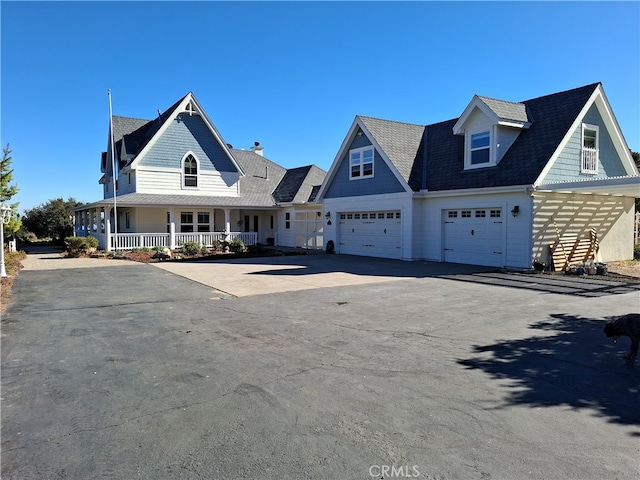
[375,369]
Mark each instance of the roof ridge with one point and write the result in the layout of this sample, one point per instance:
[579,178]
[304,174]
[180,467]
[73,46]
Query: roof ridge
[590,85]
[482,97]
[391,121]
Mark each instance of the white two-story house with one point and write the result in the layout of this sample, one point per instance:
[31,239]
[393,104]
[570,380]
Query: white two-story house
[177,180]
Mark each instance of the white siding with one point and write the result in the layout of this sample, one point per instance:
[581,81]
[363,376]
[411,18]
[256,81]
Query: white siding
[388,202]
[517,230]
[170,182]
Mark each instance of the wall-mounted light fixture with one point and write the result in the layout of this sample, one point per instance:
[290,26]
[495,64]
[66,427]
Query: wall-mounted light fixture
[328,217]
[515,211]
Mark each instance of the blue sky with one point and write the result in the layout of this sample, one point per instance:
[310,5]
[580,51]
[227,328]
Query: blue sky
[291,75]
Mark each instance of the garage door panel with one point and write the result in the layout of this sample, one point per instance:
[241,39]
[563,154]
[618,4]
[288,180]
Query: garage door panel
[474,236]
[374,234]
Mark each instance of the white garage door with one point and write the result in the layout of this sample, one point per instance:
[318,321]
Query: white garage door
[474,236]
[374,234]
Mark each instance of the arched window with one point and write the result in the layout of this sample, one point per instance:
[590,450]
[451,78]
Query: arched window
[190,172]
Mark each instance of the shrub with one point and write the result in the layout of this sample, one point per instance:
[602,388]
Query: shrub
[80,246]
[191,248]
[216,246]
[636,251]
[12,261]
[236,246]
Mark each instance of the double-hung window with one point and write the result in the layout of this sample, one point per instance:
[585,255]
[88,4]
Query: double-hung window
[190,172]
[589,148]
[361,163]
[186,222]
[480,148]
[204,223]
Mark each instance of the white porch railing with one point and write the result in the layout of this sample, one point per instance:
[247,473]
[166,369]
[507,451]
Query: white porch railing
[129,241]
[589,160]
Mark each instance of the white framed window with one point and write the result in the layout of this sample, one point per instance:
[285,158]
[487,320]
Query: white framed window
[186,222]
[204,222]
[479,151]
[590,138]
[480,148]
[361,163]
[190,169]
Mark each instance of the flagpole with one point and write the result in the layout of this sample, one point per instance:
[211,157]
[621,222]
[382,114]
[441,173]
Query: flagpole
[113,172]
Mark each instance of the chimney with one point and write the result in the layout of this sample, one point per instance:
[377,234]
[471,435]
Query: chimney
[257,148]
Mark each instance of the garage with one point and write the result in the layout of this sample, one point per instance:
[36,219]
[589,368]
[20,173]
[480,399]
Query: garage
[474,236]
[373,234]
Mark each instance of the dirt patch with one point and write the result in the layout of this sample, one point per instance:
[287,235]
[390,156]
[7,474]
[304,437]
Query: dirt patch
[629,268]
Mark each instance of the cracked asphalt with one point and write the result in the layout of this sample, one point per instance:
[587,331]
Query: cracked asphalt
[411,370]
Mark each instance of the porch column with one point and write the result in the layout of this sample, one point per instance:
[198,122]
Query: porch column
[227,222]
[107,228]
[96,214]
[172,228]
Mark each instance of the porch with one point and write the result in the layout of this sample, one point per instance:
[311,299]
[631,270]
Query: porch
[130,241]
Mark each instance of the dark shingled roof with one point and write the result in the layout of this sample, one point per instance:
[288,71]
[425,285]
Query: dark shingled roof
[551,117]
[287,189]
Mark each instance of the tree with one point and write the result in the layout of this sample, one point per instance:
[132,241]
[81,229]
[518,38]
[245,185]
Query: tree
[7,191]
[53,219]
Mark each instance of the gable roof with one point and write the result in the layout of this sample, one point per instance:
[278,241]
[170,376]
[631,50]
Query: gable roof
[522,163]
[506,111]
[299,185]
[398,140]
[431,157]
[137,135]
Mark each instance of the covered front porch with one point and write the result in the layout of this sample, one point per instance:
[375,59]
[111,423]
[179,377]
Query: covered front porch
[149,227]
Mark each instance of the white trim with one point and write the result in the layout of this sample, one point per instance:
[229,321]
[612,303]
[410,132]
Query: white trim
[474,191]
[348,140]
[469,150]
[595,128]
[360,151]
[183,176]
[182,109]
[598,98]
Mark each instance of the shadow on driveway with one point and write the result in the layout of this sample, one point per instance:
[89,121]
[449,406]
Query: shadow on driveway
[567,362]
[593,286]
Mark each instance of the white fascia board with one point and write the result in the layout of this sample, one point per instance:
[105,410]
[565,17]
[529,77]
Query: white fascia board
[357,123]
[521,125]
[619,142]
[387,160]
[336,161]
[567,137]
[217,135]
[180,109]
[475,191]
[616,186]
[475,102]
[161,130]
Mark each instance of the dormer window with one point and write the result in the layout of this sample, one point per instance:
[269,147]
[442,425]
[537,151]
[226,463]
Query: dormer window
[480,148]
[479,151]
[190,172]
[361,163]
[589,148]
